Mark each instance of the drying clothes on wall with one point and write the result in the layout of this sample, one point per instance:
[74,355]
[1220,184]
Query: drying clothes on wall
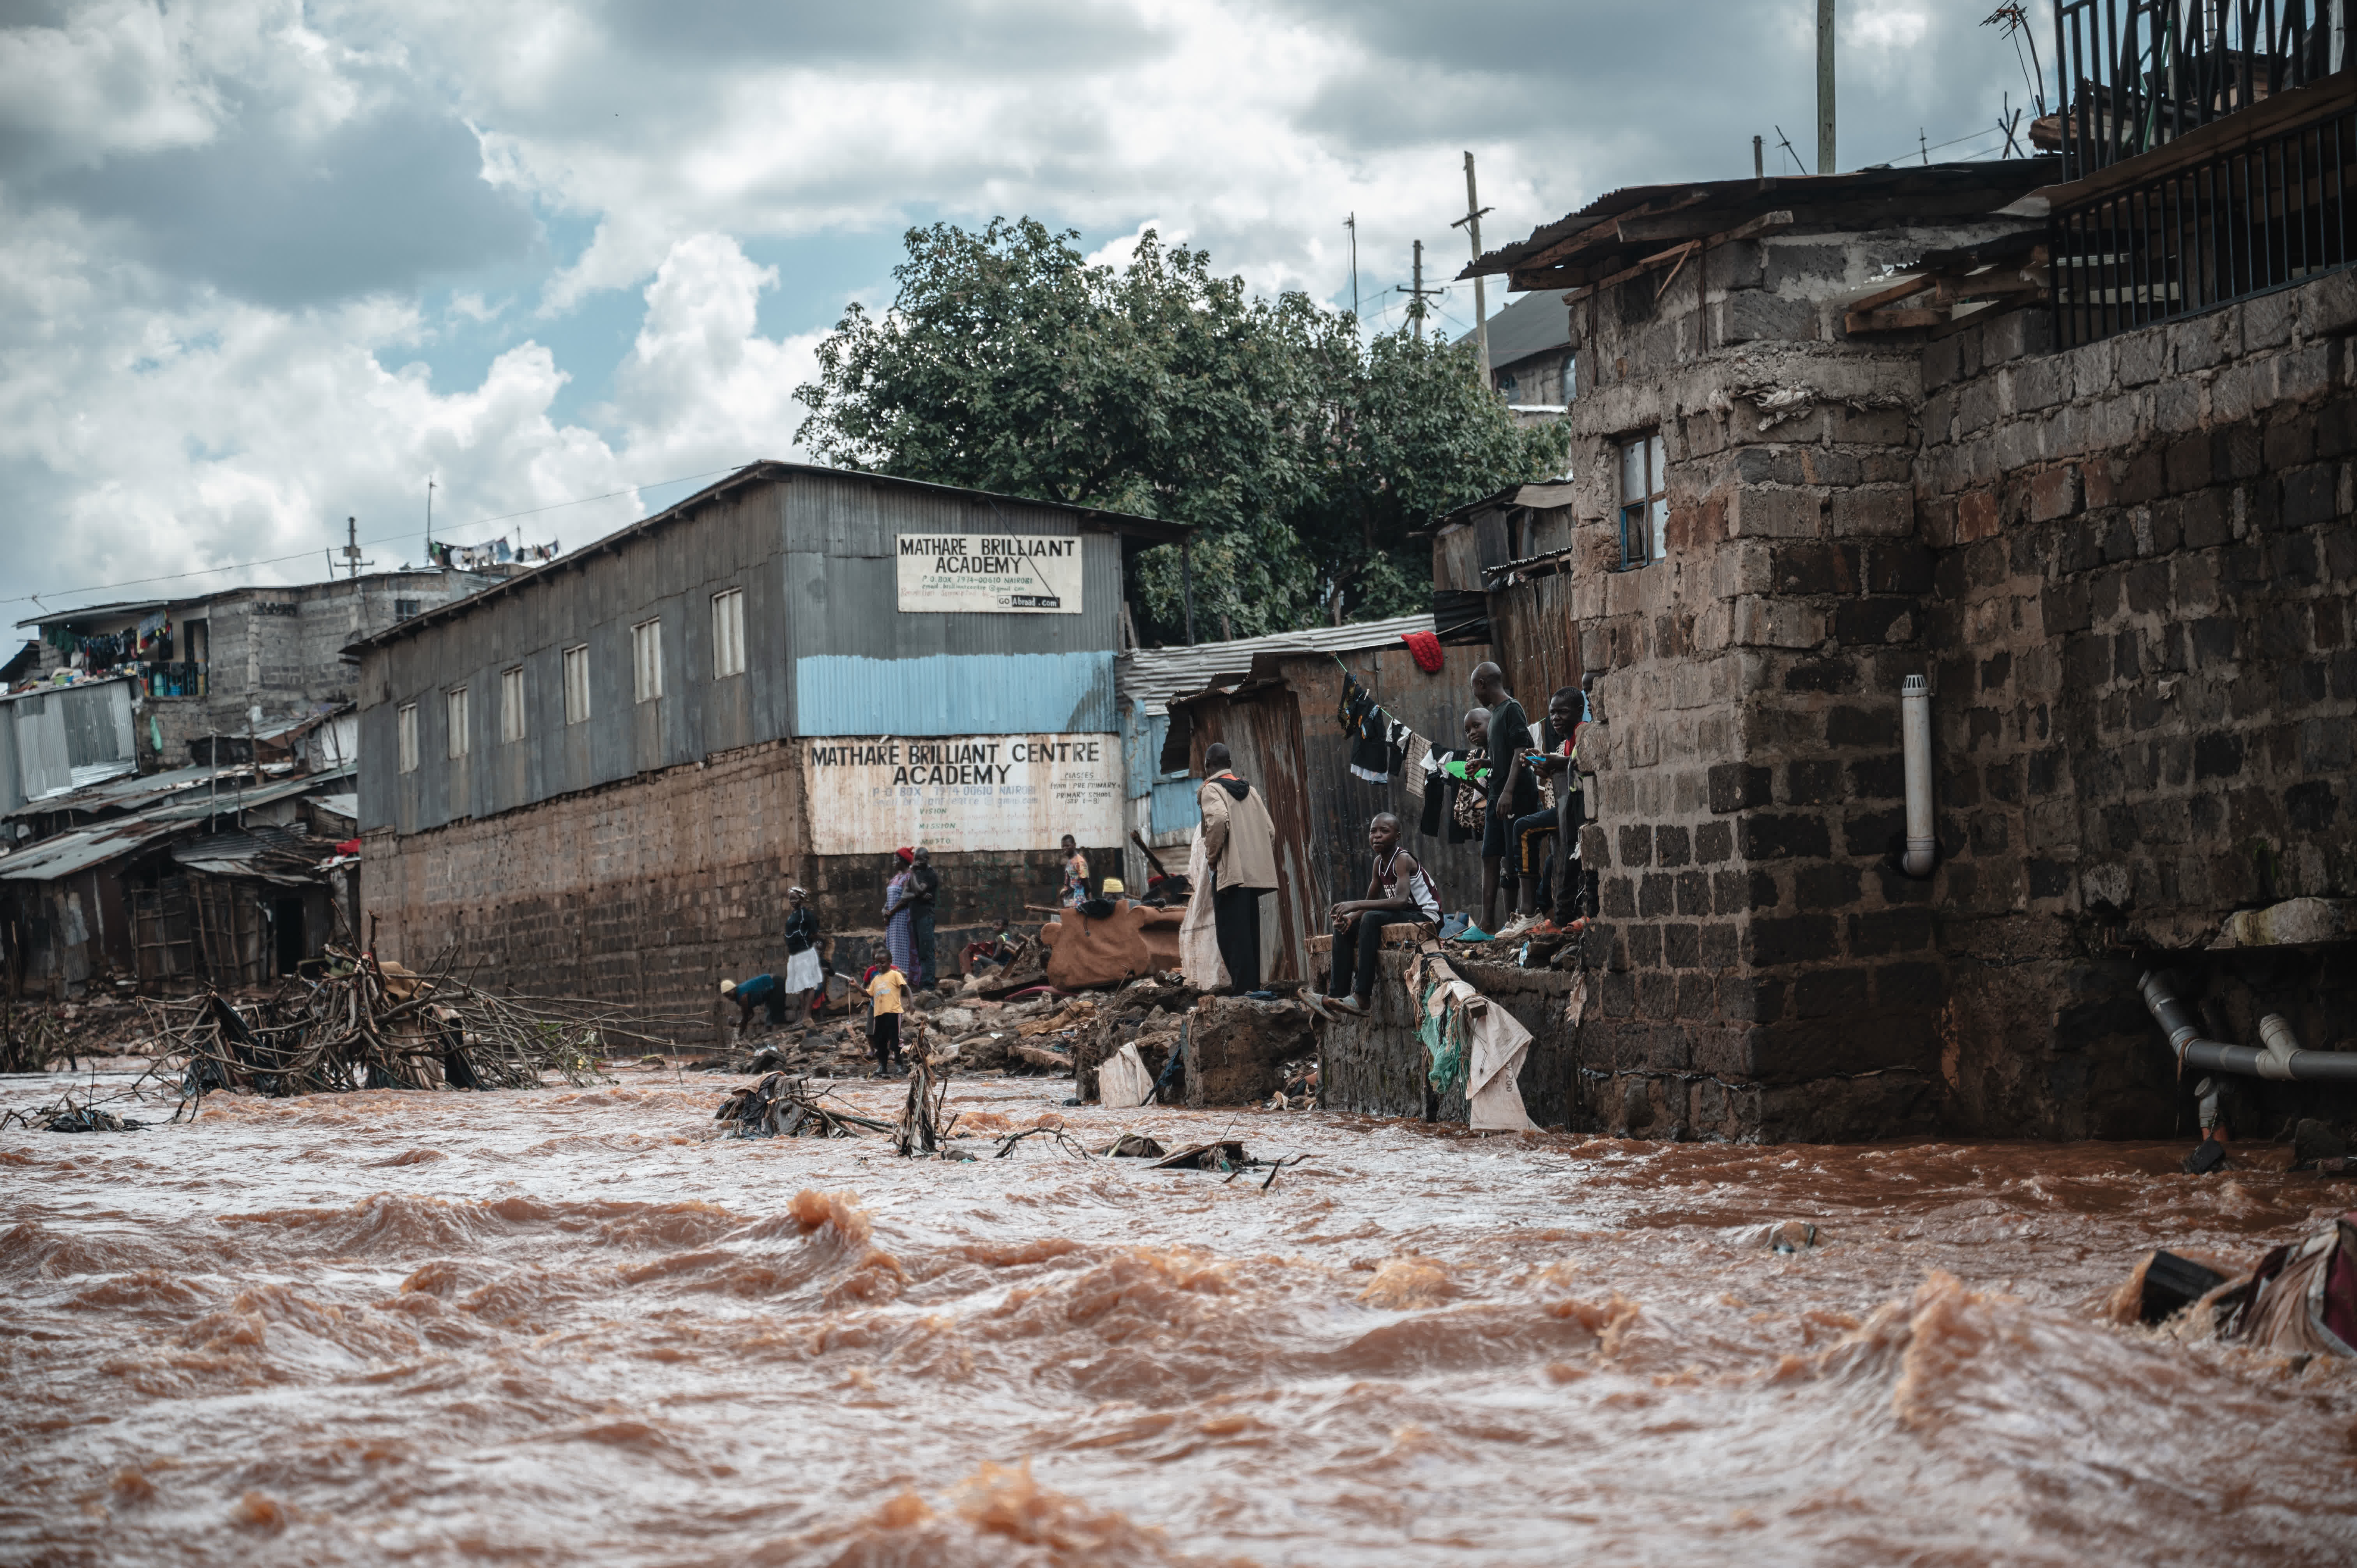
[1471,1041]
[1425,647]
[1368,727]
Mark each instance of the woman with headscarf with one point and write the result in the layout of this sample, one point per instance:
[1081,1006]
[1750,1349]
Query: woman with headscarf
[804,971]
[900,913]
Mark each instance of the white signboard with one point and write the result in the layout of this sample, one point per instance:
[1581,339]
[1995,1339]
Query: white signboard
[1015,573]
[961,792]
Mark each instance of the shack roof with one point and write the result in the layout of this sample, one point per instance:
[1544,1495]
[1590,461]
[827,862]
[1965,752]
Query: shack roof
[44,690]
[1538,497]
[131,794]
[190,809]
[1153,677]
[1626,226]
[1526,327]
[1154,529]
[86,847]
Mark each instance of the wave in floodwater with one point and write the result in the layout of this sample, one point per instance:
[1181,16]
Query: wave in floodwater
[573,1328]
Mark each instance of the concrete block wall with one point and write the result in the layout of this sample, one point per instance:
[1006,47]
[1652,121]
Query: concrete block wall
[2145,688]
[1759,972]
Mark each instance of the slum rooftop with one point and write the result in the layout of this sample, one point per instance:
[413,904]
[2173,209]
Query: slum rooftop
[1157,530]
[1151,677]
[1638,224]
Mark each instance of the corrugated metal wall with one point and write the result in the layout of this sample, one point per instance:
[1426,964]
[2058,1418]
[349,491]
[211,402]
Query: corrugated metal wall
[66,728]
[1286,739]
[1536,640]
[815,554]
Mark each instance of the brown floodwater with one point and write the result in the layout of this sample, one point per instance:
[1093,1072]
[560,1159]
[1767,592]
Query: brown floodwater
[572,1326]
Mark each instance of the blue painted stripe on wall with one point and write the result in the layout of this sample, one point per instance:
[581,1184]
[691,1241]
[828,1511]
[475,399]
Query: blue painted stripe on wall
[956,693]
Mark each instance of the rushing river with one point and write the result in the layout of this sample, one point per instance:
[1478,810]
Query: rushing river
[571,1326]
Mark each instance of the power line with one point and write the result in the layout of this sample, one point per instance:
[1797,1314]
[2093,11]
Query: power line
[387,538]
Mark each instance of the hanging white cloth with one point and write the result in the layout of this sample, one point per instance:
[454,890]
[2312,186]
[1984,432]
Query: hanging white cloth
[1493,1100]
[1198,934]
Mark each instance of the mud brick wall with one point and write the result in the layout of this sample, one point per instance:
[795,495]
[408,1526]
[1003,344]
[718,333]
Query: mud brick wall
[651,891]
[645,893]
[2144,691]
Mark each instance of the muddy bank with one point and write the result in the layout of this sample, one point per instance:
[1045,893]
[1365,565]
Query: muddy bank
[569,1326]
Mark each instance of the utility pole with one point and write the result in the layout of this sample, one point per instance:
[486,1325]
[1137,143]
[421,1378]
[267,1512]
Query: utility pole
[429,517]
[1417,293]
[1759,162]
[352,561]
[1352,223]
[1825,86]
[1472,224]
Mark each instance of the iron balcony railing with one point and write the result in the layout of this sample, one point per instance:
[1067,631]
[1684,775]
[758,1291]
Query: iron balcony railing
[2201,232]
[2138,73]
[182,679]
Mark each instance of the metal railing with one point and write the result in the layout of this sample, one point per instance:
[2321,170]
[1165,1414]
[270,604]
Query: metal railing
[182,679]
[2137,73]
[2252,218]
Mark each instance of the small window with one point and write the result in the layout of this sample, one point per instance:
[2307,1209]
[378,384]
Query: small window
[409,737]
[1645,501]
[646,659]
[511,723]
[576,684]
[403,610]
[457,698]
[728,633]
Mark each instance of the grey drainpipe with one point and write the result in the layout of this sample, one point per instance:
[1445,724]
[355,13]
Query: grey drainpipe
[2281,1058]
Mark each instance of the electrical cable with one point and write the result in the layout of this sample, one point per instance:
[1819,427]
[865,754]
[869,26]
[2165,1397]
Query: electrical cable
[386,539]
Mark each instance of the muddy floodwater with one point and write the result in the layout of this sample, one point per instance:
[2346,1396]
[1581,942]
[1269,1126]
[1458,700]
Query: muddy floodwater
[572,1326]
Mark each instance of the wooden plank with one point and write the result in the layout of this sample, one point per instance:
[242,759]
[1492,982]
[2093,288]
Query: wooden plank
[1892,320]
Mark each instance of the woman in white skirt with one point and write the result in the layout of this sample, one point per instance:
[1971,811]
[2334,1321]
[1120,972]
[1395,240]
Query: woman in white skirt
[804,973]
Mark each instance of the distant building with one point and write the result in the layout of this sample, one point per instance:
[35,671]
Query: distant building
[204,663]
[1531,358]
[601,776]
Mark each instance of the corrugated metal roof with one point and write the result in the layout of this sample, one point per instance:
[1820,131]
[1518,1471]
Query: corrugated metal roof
[1152,676]
[285,789]
[1156,529]
[341,805]
[124,794]
[85,847]
[50,691]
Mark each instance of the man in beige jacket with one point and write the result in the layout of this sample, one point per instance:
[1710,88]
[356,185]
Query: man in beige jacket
[1240,844]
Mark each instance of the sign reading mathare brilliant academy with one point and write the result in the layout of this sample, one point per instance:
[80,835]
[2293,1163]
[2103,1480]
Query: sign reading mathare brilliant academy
[1016,573]
[970,792]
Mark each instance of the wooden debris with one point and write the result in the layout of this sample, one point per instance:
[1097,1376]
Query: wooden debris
[65,1116]
[366,1025]
[784,1107]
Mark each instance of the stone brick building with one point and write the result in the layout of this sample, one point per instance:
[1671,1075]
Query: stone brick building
[207,662]
[2124,568]
[601,776]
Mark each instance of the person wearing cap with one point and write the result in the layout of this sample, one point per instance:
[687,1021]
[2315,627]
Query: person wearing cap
[900,913]
[761,991]
[805,972]
[925,885]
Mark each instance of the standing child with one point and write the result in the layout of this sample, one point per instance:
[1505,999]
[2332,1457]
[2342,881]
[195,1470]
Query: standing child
[886,997]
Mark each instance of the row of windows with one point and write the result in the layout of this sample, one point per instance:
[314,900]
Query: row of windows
[646,680]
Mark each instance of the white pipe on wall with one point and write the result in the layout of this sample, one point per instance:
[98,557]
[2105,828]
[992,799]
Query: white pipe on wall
[1915,744]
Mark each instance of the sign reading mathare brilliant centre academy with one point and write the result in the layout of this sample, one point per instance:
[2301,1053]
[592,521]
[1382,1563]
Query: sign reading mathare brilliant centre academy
[961,792]
[1021,573]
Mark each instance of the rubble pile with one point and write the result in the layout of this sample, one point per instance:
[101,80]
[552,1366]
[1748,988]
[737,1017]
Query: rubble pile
[366,1025]
[783,1107]
[1147,1012]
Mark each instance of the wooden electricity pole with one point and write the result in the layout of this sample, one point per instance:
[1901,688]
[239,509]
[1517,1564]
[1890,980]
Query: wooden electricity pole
[1417,292]
[1825,86]
[1472,224]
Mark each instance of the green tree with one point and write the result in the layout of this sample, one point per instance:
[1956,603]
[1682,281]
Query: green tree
[1300,457]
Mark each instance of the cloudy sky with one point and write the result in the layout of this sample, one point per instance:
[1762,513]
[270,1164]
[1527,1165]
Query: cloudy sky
[265,265]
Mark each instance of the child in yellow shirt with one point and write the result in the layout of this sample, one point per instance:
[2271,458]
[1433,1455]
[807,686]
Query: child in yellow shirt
[886,993]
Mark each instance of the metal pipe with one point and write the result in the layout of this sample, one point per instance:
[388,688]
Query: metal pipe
[2281,1058]
[1915,744]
